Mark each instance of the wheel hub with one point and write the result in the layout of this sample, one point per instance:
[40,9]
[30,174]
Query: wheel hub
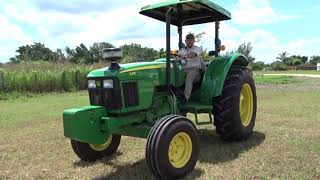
[180,150]
[246,104]
[104,146]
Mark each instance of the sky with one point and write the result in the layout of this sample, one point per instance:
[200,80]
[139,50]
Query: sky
[272,26]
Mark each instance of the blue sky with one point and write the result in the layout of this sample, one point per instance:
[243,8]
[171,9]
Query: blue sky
[271,26]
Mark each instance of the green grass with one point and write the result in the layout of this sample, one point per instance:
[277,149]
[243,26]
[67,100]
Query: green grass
[285,143]
[261,79]
[288,72]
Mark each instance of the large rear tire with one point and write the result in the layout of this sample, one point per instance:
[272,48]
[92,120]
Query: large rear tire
[235,110]
[93,152]
[172,147]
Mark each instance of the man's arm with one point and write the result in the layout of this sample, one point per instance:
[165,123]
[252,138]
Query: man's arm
[194,53]
[189,55]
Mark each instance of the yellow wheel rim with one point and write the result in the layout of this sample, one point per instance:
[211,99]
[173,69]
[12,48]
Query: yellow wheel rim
[246,104]
[104,146]
[180,150]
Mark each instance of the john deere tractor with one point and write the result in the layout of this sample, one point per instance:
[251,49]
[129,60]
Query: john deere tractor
[144,99]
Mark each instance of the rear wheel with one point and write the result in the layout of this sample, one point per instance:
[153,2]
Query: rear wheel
[93,152]
[172,147]
[235,110]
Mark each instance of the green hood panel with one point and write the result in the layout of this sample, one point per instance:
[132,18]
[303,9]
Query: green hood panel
[104,72]
[154,71]
[141,66]
[125,68]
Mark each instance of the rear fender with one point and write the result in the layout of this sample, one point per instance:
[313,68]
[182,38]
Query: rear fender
[216,74]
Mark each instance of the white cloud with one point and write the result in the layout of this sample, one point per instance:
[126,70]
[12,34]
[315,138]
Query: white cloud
[87,28]
[227,34]
[266,46]
[304,47]
[12,32]
[11,37]
[28,15]
[99,28]
[156,42]
[57,28]
[253,12]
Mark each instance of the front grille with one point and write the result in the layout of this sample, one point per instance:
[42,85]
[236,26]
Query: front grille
[95,97]
[109,98]
[130,93]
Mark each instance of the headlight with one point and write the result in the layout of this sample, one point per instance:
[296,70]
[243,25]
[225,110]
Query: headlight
[92,84]
[108,84]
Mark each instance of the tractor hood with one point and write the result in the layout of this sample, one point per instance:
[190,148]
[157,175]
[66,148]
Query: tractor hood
[154,71]
[129,68]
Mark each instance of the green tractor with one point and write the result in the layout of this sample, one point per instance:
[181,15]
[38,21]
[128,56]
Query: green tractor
[142,99]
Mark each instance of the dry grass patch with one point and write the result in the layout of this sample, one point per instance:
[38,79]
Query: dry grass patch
[285,143]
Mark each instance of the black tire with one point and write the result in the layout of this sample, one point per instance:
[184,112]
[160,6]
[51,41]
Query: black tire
[158,143]
[86,153]
[226,108]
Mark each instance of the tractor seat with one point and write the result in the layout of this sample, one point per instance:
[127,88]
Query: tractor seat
[197,84]
[179,91]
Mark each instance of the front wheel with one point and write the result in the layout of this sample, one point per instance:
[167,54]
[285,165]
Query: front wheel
[93,152]
[172,147]
[235,110]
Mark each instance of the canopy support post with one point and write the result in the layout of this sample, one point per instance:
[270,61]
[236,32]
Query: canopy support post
[217,40]
[181,45]
[168,54]
[179,9]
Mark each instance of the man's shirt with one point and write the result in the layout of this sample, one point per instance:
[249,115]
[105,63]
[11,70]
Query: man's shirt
[191,62]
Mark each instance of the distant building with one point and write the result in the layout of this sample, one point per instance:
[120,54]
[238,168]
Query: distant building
[303,67]
[318,66]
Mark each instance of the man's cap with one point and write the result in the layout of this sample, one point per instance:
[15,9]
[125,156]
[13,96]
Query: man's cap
[190,36]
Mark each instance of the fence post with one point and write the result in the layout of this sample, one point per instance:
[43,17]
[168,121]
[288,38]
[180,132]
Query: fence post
[1,81]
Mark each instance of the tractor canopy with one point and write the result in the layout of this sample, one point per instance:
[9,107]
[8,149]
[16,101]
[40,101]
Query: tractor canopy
[187,12]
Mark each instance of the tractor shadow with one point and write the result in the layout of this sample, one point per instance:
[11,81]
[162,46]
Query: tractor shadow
[83,164]
[214,150]
[137,171]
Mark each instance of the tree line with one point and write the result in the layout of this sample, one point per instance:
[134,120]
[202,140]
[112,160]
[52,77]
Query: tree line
[83,54]
[284,61]
[137,53]
[88,55]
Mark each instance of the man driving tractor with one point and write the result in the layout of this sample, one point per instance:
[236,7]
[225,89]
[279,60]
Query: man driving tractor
[190,56]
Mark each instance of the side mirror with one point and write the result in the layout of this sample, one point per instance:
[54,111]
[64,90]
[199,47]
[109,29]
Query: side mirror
[212,53]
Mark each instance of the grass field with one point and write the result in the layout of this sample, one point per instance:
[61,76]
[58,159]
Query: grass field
[261,79]
[288,72]
[285,143]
